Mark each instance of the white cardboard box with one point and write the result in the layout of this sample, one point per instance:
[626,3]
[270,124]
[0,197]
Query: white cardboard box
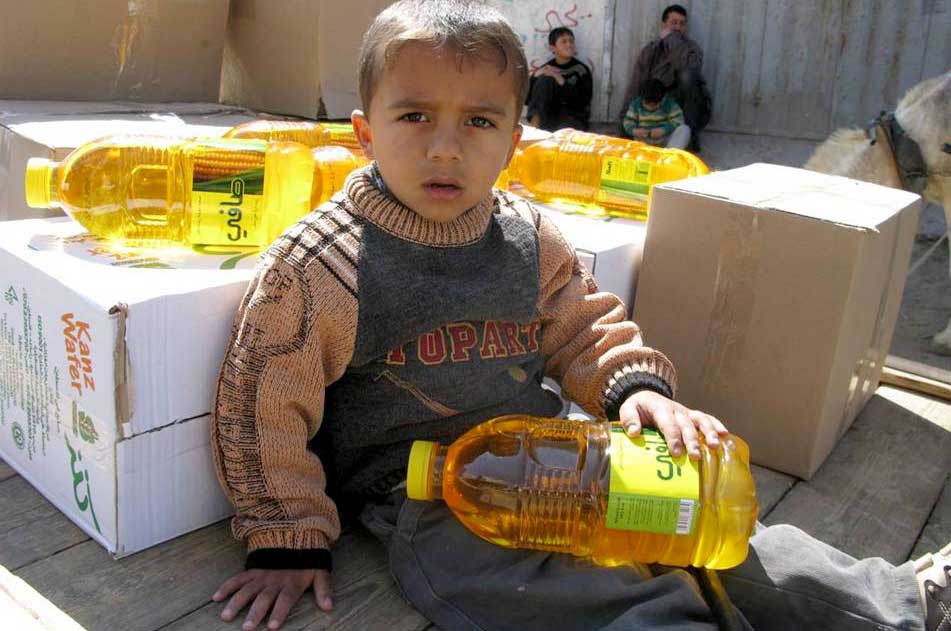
[108,364]
[775,291]
[51,129]
[610,248]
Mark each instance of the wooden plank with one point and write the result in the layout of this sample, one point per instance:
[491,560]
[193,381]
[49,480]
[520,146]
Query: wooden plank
[917,368]
[937,532]
[30,527]
[916,383]
[875,492]
[934,410]
[6,471]
[771,486]
[365,597]
[144,591]
[24,609]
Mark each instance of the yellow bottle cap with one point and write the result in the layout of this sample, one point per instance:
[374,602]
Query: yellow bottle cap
[39,172]
[418,470]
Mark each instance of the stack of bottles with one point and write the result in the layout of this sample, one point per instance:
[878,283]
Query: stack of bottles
[591,490]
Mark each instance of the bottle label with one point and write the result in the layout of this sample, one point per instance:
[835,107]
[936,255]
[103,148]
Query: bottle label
[624,180]
[650,489]
[227,210]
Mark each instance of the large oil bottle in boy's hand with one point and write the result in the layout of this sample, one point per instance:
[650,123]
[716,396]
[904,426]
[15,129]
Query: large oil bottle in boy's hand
[305,132]
[590,490]
[612,173]
[159,191]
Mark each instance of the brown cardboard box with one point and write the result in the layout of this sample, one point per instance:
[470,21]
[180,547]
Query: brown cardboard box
[106,50]
[50,129]
[775,292]
[296,57]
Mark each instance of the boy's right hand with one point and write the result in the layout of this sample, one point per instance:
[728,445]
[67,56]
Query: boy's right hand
[280,588]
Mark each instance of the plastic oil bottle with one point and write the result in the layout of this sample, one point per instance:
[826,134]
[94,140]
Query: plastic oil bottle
[305,132]
[614,174]
[590,490]
[332,165]
[155,191]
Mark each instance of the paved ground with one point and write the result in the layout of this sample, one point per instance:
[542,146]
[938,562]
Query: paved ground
[927,301]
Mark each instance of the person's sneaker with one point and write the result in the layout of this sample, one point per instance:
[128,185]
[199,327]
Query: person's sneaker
[934,584]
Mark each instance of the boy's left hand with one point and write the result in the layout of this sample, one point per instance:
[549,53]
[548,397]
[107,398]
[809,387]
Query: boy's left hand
[679,424]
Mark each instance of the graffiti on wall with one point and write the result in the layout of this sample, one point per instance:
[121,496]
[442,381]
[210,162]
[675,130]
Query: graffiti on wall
[534,19]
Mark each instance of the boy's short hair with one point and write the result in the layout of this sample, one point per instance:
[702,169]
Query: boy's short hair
[674,8]
[652,91]
[470,27]
[557,32]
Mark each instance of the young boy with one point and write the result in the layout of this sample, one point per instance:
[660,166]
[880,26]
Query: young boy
[560,90]
[419,302]
[655,118]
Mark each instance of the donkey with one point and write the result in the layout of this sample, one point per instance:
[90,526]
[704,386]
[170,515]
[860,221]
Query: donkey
[909,149]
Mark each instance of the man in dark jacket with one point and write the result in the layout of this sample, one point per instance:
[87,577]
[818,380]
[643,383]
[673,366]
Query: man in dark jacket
[560,91]
[675,60]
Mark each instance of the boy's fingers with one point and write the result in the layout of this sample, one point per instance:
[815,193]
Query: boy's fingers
[238,601]
[260,607]
[665,422]
[705,423]
[322,590]
[230,586]
[285,600]
[689,432]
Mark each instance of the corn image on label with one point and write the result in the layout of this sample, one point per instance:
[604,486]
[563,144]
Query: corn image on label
[650,489]
[234,217]
[623,179]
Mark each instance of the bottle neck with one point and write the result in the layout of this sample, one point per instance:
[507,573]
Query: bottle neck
[54,186]
[436,471]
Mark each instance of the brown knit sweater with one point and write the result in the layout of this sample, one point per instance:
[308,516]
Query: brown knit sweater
[353,321]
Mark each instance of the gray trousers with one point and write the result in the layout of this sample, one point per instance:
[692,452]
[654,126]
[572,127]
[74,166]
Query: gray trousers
[789,581]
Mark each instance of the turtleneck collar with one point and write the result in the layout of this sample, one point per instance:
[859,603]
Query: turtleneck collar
[372,200]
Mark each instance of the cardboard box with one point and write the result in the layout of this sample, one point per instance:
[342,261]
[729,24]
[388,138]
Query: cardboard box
[108,364]
[775,292]
[51,129]
[94,50]
[295,57]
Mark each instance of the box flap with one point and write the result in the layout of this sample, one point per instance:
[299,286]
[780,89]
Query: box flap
[58,124]
[834,199]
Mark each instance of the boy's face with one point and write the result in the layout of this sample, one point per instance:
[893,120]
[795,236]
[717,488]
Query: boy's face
[651,105]
[439,131]
[676,22]
[564,47]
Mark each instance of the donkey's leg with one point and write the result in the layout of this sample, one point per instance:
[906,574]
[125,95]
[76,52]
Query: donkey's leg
[942,341]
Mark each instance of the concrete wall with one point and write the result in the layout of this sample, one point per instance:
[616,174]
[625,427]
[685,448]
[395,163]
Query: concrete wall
[796,68]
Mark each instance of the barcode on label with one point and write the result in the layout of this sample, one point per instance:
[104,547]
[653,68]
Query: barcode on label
[685,517]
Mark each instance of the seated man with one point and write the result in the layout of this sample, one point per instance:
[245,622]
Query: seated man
[675,60]
[560,91]
[655,118]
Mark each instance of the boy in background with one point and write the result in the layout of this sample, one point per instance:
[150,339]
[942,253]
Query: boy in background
[560,90]
[419,302]
[655,118]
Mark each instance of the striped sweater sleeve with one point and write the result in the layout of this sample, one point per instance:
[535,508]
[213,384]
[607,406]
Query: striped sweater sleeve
[592,349]
[293,334]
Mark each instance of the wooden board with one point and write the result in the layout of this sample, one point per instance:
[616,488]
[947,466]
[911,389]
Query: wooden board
[915,383]
[876,491]
[6,471]
[24,609]
[937,532]
[30,527]
[917,368]
[365,597]
[771,486]
[144,591]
